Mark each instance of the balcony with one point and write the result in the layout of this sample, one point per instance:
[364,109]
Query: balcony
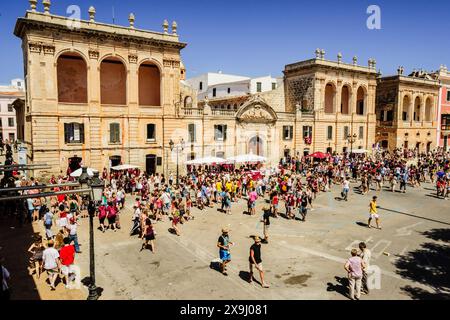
[445,127]
[221,112]
[192,112]
[385,123]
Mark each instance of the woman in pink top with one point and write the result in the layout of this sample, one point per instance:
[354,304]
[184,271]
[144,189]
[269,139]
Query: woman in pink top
[354,267]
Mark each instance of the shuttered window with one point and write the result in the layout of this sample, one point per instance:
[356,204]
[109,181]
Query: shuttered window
[114,132]
[73,133]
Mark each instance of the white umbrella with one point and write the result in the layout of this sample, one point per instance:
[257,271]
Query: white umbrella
[124,167]
[77,173]
[359,151]
[244,158]
[206,160]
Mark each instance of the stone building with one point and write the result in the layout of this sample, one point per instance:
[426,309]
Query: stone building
[407,111]
[98,94]
[443,128]
[331,101]
[8,122]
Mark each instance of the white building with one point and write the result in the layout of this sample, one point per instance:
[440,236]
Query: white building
[8,122]
[219,85]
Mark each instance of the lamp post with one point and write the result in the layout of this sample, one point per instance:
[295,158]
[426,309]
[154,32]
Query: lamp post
[351,139]
[179,146]
[95,195]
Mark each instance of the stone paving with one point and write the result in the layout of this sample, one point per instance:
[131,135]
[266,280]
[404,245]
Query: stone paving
[304,260]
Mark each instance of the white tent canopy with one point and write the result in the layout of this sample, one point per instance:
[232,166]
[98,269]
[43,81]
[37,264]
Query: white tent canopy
[206,160]
[246,158]
[124,167]
[357,151]
[77,173]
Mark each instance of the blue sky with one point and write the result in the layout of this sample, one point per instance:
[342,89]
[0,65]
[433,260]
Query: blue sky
[254,38]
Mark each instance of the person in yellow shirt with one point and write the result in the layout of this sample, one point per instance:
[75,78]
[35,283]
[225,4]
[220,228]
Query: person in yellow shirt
[218,194]
[373,213]
[228,186]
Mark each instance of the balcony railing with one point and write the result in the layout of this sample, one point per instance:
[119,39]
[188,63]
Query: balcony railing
[192,112]
[445,127]
[220,112]
[385,123]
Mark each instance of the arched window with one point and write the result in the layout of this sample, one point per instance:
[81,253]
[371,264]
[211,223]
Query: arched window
[330,95]
[188,102]
[417,109]
[360,97]
[72,79]
[113,82]
[345,100]
[149,85]
[406,104]
[429,110]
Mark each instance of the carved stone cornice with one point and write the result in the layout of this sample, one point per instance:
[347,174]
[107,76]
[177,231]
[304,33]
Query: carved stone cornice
[171,63]
[24,25]
[48,49]
[132,58]
[94,54]
[35,47]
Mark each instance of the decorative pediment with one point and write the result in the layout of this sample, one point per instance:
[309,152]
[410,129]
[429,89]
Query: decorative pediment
[256,110]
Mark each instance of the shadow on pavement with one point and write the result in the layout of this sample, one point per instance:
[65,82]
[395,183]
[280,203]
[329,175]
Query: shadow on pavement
[414,216]
[429,265]
[14,243]
[340,287]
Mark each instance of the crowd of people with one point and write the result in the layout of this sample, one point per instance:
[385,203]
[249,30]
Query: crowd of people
[295,183]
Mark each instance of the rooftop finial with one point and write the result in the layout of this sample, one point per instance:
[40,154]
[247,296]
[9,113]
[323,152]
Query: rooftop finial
[174,28]
[91,14]
[339,57]
[131,18]
[400,70]
[322,54]
[166,26]
[374,63]
[355,60]
[317,53]
[33,4]
[47,5]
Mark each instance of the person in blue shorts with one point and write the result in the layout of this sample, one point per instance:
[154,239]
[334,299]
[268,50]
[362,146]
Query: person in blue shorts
[224,250]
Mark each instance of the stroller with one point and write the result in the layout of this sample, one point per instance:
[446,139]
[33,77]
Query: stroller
[136,228]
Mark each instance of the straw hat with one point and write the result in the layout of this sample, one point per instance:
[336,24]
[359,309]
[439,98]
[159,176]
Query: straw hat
[225,230]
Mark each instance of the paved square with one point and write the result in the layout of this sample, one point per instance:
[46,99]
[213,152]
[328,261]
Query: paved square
[304,260]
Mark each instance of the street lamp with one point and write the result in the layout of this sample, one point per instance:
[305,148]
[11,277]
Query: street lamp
[95,195]
[351,139]
[178,147]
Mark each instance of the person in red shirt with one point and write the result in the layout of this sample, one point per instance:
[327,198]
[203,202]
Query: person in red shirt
[67,257]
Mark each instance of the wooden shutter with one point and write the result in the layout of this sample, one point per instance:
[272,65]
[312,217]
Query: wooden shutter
[215,132]
[225,132]
[67,132]
[82,132]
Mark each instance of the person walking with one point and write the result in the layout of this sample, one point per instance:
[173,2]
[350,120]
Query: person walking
[354,267]
[67,256]
[4,278]
[52,264]
[345,189]
[266,223]
[148,235]
[373,213]
[73,236]
[224,244]
[256,261]
[365,255]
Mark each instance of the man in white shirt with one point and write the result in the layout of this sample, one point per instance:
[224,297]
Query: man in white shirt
[50,259]
[365,255]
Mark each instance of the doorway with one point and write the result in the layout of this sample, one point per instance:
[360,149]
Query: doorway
[255,146]
[150,164]
[115,161]
[74,163]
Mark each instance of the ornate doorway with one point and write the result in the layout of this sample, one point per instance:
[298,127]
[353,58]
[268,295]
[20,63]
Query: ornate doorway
[256,145]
